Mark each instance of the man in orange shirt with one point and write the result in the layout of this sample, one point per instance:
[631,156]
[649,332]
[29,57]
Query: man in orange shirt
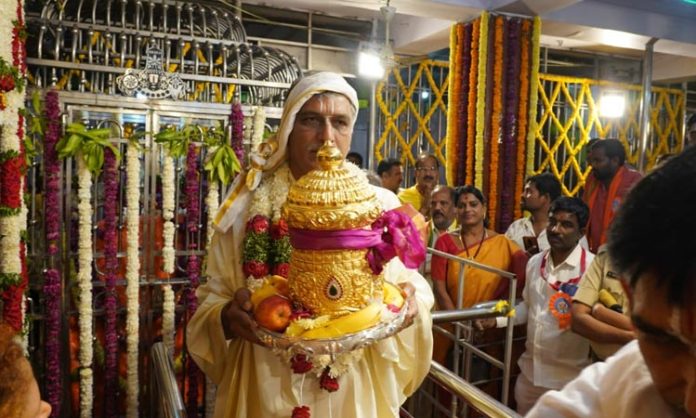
[606,187]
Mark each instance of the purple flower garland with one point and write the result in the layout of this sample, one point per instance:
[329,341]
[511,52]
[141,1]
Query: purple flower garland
[53,287]
[237,123]
[192,265]
[463,105]
[111,263]
[510,124]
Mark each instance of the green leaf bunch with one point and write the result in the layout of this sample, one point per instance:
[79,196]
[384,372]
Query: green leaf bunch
[89,143]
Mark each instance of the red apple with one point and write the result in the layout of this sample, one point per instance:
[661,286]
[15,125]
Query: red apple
[273,313]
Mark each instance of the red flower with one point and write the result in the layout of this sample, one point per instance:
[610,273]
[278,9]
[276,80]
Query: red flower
[300,364]
[301,412]
[299,311]
[282,269]
[259,224]
[280,229]
[328,383]
[255,268]
[7,82]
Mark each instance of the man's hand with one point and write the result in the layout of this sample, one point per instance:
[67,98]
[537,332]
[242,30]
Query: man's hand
[409,293]
[486,323]
[236,317]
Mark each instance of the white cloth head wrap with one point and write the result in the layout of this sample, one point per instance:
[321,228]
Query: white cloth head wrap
[272,153]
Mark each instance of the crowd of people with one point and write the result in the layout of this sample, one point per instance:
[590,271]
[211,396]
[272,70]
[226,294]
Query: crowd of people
[574,299]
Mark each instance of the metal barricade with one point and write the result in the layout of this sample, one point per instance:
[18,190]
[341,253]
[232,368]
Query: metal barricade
[461,336]
[163,384]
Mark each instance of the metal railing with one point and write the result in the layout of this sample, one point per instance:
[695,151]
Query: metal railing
[464,347]
[474,396]
[164,383]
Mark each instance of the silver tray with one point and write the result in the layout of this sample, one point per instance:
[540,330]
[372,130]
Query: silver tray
[334,346]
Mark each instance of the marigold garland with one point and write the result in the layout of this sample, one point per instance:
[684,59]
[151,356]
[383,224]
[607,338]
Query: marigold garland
[452,137]
[496,118]
[472,101]
[533,95]
[522,116]
[481,102]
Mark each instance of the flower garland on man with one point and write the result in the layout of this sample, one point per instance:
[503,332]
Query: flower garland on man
[252,380]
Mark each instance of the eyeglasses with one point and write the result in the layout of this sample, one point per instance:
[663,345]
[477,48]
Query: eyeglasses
[426,168]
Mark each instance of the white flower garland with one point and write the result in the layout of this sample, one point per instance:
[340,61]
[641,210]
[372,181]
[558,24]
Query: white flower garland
[8,14]
[84,282]
[212,200]
[168,319]
[258,127]
[168,206]
[271,194]
[132,276]
[248,130]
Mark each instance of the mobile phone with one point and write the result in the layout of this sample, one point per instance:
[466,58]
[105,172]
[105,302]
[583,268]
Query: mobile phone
[531,245]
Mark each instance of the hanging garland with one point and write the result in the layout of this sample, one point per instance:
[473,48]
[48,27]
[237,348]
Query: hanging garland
[84,281]
[507,193]
[53,287]
[491,110]
[192,265]
[463,106]
[481,102]
[13,276]
[259,127]
[168,251]
[87,147]
[522,116]
[471,112]
[236,122]
[132,277]
[533,94]
[110,178]
[453,82]
[496,119]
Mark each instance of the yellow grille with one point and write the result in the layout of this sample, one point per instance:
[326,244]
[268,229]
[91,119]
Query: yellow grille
[569,116]
[410,122]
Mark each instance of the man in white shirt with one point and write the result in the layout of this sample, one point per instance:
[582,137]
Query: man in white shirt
[554,355]
[651,243]
[539,192]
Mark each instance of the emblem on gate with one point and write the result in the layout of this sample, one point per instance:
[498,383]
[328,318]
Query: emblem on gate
[151,82]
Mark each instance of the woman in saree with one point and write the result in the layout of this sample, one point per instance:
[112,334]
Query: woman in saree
[475,242]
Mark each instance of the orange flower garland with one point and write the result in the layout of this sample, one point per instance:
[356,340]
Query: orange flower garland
[471,113]
[495,121]
[522,116]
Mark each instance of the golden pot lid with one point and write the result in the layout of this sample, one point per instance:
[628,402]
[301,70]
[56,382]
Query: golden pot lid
[335,197]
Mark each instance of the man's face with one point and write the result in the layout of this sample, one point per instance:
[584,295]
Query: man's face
[391,179]
[667,338]
[563,231]
[691,135]
[322,118]
[531,198]
[427,173]
[470,210]
[603,167]
[442,209]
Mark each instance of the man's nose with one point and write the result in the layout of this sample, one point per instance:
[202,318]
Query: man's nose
[328,134]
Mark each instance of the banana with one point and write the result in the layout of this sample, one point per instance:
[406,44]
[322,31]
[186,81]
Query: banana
[274,285]
[392,295]
[347,324]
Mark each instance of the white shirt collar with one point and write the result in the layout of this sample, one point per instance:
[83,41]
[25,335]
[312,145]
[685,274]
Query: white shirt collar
[573,259]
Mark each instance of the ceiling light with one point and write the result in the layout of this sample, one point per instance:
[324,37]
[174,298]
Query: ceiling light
[370,64]
[612,104]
